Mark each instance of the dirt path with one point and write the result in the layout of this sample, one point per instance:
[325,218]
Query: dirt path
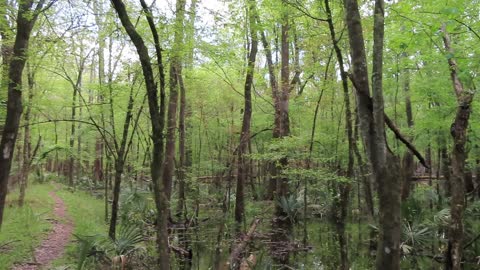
[54,245]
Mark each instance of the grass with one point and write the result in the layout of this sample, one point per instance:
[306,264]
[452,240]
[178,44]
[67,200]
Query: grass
[23,228]
[87,214]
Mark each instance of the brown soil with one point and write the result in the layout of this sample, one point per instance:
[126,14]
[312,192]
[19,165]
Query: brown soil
[54,245]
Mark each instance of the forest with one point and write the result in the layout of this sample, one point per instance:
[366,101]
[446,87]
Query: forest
[250,134]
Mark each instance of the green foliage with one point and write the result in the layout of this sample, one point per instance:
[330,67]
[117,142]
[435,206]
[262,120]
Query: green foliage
[414,237]
[103,248]
[23,228]
[290,205]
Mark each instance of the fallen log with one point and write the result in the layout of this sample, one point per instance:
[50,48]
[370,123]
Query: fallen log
[236,255]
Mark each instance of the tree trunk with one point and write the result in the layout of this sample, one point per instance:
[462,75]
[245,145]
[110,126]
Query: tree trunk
[161,201]
[27,155]
[459,133]
[99,145]
[341,205]
[120,158]
[282,224]
[183,164]
[408,157]
[242,163]
[371,115]
[27,15]
[445,168]
[175,74]
[271,188]
[184,150]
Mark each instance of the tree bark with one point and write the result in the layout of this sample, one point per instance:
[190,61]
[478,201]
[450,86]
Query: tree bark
[99,146]
[242,163]
[161,201]
[459,133]
[341,205]
[175,74]
[271,189]
[384,164]
[27,146]
[119,163]
[408,157]
[282,223]
[26,18]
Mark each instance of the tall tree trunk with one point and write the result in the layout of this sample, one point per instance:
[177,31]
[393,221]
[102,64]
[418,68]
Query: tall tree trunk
[71,162]
[282,224]
[26,18]
[157,123]
[276,100]
[344,188]
[27,146]
[371,114]
[183,164]
[242,163]
[457,178]
[282,125]
[99,146]
[175,74]
[408,157]
[76,86]
[184,150]
[120,158]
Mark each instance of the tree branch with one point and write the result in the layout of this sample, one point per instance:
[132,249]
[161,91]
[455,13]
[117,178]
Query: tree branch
[396,131]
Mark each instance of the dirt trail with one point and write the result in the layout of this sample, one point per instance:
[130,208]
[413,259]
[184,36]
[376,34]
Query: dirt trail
[54,245]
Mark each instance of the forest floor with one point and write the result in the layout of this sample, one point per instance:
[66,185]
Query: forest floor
[53,246]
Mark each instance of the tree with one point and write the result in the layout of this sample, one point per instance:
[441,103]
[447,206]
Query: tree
[459,133]
[341,204]
[160,195]
[384,164]
[175,77]
[242,164]
[26,18]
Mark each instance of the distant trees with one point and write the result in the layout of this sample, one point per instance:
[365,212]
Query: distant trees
[229,121]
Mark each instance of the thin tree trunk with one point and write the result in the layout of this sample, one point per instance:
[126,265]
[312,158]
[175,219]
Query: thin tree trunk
[408,157]
[242,163]
[27,155]
[175,74]
[161,201]
[72,138]
[182,168]
[99,146]
[344,188]
[120,158]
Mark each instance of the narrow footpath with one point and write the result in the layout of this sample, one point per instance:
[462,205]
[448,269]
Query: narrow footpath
[54,245]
